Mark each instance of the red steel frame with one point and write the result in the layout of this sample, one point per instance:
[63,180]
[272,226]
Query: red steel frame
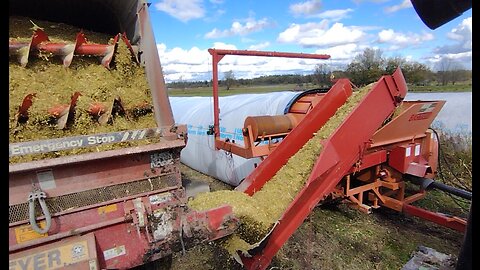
[341,150]
[218,54]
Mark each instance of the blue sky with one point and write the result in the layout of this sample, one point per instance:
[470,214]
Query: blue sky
[185,29]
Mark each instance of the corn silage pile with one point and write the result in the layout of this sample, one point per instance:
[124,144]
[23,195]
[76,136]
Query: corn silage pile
[54,85]
[259,212]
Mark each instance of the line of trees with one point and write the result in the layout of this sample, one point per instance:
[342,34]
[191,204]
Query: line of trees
[365,68]
[369,65]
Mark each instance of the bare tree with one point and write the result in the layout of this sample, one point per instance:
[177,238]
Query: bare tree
[456,70]
[443,70]
[449,70]
[321,75]
[229,79]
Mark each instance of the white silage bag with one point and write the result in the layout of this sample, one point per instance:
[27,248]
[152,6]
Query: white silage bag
[197,114]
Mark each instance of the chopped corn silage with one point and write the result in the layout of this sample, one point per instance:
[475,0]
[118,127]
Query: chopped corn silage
[54,85]
[259,212]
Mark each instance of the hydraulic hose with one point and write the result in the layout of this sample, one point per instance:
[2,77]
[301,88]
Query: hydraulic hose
[426,183]
[453,190]
[40,196]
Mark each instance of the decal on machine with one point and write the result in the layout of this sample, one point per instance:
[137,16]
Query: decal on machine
[160,198]
[45,146]
[53,258]
[46,180]
[26,233]
[107,209]
[424,113]
[114,252]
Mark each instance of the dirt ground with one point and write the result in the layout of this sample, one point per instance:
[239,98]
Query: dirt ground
[334,236]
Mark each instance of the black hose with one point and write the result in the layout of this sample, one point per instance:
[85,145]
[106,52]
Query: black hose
[452,190]
[426,183]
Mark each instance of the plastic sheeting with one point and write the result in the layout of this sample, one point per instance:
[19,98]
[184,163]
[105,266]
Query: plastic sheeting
[197,114]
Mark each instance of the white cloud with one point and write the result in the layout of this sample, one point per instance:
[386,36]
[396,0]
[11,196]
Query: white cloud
[342,52]
[461,49]
[335,14]
[195,64]
[161,49]
[320,35]
[373,1]
[342,55]
[247,40]
[462,34]
[311,9]
[193,56]
[216,2]
[221,45]
[181,9]
[259,46]
[305,8]
[395,8]
[463,59]
[401,40]
[238,29]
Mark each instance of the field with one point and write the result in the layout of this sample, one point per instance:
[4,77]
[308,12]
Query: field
[235,90]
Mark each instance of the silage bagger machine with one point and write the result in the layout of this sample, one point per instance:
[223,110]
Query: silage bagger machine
[377,145]
[116,208]
[104,208]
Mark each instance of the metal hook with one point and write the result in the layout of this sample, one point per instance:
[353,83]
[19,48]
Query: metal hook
[40,196]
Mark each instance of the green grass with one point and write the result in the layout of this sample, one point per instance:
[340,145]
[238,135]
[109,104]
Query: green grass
[207,91]
[235,90]
[458,87]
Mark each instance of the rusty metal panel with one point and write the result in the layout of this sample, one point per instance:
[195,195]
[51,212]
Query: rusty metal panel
[87,174]
[57,205]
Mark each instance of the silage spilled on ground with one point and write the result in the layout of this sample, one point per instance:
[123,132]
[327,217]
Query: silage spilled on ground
[258,213]
[53,85]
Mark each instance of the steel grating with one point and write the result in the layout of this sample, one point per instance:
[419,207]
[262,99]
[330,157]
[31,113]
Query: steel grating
[19,212]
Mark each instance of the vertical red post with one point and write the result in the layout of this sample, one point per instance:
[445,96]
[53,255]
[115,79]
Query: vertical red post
[216,110]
